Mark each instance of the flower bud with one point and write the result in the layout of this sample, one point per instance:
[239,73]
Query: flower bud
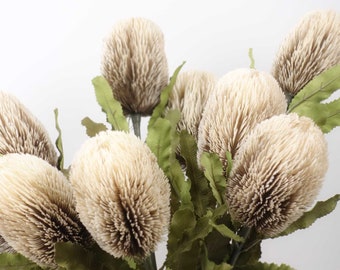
[189,96]
[277,173]
[242,99]
[37,208]
[135,64]
[21,132]
[311,48]
[122,195]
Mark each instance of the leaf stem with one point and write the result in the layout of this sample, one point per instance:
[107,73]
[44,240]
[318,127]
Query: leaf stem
[136,120]
[320,89]
[238,247]
[150,262]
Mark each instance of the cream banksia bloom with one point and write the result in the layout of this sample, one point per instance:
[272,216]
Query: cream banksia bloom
[311,48]
[21,132]
[122,195]
[5,247]
[37,208]
[189,96]
[242,99]
[277,173]
[135,64]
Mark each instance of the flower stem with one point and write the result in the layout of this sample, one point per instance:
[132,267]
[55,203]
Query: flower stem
[150,262]
[238,247]
[136,119]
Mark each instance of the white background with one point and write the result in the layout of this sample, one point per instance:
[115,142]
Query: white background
[50,51]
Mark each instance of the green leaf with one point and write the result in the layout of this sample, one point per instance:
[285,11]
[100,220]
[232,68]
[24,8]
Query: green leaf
[16,261]
[308,102]
[59,142]
[226,232]
[230,163]
[210,265]
[163,140]
[92,128]
[251,58]
[322,208]
[109,105]
[200,192]
[213,171]
[74,257]
[265,266]
[183,221]
[218,247]
[251,251]
[188,259]
[189,238]
[159,109]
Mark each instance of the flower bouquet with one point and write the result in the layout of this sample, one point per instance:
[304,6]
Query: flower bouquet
[225,163]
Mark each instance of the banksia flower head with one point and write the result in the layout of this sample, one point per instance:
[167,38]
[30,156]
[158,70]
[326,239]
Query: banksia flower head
[122,196]
[311,48]
[135,65]
[189,96]
[4,246]
[21,132]
[277,173]
[37,208]
[242,99]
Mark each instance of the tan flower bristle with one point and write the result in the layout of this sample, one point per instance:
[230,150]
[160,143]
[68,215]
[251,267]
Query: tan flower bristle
[277,173]
[122,195]
[135,65]
[242,99]
[189,96]
[311,48]
[37,208]
[21,132]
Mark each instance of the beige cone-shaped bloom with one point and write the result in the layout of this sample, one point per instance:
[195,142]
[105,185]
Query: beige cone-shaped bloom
[189,96]
[242,99]
[277,173]
[5,247]
[122,195]
[135,64]
[21,132]
[37,208]
[311,48]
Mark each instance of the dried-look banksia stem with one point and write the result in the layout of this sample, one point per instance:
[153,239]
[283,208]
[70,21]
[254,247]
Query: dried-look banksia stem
[21,132]
[122,195]
[37,208]
[242,99]
[189,96]
[277,173]
[135,64]
[311,48]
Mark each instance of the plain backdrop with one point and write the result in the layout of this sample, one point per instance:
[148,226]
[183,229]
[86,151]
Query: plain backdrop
[50,51]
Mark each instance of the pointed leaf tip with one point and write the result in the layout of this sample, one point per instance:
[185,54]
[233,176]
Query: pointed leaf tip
[59,142]
[110,106]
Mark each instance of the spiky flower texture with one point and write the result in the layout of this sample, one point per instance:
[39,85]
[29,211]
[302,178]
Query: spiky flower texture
[122,195]
[21,132]
[242,98]
[277,173]
[312,47]
[37,208]
[189,96]
[135,64]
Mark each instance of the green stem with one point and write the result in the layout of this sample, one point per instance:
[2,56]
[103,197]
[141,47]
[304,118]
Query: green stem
[238,247]
[150,262]
[136,120]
